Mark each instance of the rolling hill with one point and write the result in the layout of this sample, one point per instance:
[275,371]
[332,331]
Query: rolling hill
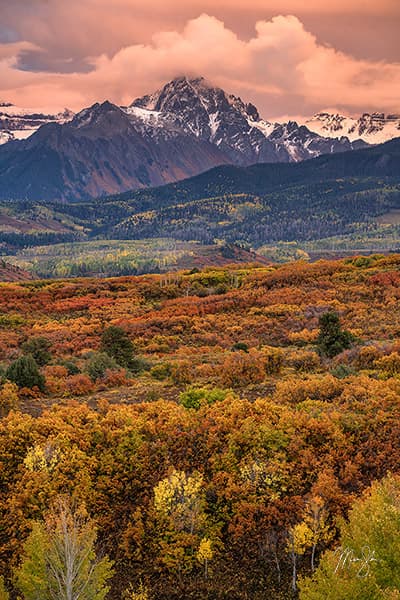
[340,194]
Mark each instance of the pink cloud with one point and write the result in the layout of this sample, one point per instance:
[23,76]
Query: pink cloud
[282,68]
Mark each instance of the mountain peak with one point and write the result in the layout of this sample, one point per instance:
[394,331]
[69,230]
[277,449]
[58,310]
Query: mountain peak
[98,113]
[184,87]
[192,81]
[205,111]
[196,101]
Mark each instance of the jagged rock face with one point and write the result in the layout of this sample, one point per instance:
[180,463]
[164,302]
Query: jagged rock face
[375,128]
[183,129]
[18,123]
[209,114]
[232,125]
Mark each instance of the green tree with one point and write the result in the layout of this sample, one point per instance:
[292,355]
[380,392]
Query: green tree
[99,363]
[194,397]
[4,595]
[39,348]
[332,339]
[116,343]
[25,373]
[32,576]
[366,566]
[59,561]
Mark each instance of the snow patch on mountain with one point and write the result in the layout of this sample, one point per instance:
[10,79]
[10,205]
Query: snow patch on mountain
[264,126]
[196,108]
[18,123]
[374,128]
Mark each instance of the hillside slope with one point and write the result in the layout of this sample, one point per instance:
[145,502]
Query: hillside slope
[327,196]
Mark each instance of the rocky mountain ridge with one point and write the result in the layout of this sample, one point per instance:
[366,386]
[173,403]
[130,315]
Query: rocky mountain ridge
[183,129]
[20,123]
[373,128]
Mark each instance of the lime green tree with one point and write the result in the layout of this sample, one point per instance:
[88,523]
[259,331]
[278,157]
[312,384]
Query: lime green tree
[366,565]
[4,595]
[32,576]
[59,560]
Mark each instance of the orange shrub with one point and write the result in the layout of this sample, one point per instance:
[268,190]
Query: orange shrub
[303,360]
[9,398]
[55,376]
[114,378]
[242,368]
[182,372]
[367,357]
[273,360]
[390,364]
[79,385]
[305,336]
[315,387]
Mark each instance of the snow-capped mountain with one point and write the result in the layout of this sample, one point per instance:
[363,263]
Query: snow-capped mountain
[19,123]
[375,128]
[235,127]
[179,131]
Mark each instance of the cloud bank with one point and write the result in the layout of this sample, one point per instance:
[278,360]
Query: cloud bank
[282,67]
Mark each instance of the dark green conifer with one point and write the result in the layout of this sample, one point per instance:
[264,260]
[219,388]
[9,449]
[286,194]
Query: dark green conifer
[25,373]
[332,339]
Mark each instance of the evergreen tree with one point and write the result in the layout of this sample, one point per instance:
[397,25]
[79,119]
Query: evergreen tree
[39,348]
[25,373]
[332,339]
[99,363]
[116,343]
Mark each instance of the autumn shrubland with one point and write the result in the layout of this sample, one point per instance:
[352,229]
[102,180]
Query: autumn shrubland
[213,428]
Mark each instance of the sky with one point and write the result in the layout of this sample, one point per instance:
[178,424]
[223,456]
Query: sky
[289,57]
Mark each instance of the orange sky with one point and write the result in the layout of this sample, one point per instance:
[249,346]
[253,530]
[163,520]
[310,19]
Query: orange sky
[290,57]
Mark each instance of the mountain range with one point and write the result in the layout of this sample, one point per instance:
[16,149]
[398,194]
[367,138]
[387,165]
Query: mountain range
[183,129]
[332,195]
[18,123]
[375,128]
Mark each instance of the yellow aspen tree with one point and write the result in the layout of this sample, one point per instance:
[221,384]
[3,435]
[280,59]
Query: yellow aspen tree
[9,399]
[179,506]
[300,537]
[316,519]
[179,497]
[205,554]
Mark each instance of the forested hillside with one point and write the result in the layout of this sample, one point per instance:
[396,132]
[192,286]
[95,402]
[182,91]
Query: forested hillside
[210,426]
[341,194]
